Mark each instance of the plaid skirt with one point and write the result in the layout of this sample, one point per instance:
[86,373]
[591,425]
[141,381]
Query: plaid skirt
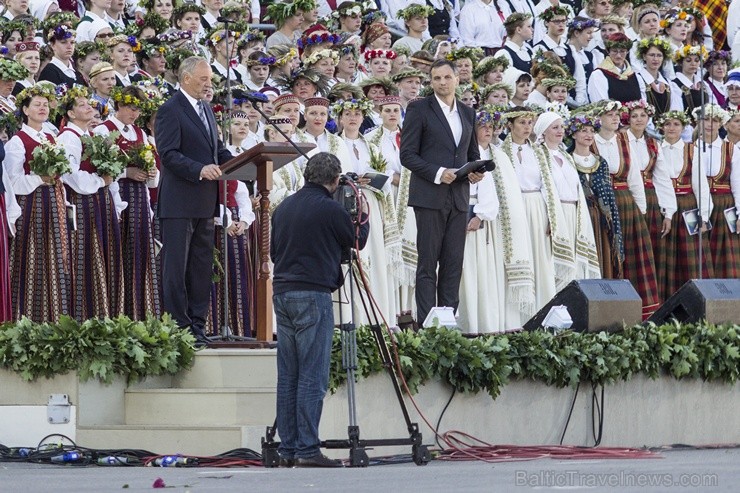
[6,313]
[142,294]
[679,252]
[39,263]
[241,285]
[724,245]
[639,263]
[97,264]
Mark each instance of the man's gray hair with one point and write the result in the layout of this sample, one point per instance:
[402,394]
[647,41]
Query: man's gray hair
[188,66]
[322,169]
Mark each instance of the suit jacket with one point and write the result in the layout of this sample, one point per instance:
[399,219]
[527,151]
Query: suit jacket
[427,144]
[185,146]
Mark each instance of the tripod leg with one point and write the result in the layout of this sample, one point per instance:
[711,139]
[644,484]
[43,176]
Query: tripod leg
[270,456]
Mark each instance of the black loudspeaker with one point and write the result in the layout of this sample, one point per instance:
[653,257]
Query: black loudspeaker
[595,305]
[716,300]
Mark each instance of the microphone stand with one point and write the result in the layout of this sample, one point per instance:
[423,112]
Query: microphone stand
[700,151]
[226,333]
[267,120]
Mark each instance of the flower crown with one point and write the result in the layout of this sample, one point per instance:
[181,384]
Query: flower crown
[320,55]
[317,39]
[58,19]
[348,49]
[151,19]
[486,91]
[578,122]
[630,106]
[364,105]
[127,100]
[174,57]
[238,8]
[473,54]
[471,87]
[688,50]
[681,116]
[716,56]
[561,109]
[155,48]
[624,43]
[347,11]
[674,15]
[174,36]
[10,27]
[9,122]
[607,106]
[186,7]
[221,34]
[85,48]
[694,12]
[12,70]
[37,89]
[415,10]
[488,64]
[581,24]
[263,60]
[516,17]
[549,13]
[292,53]
[565,81]
[711,111]
[372,54]
[60,33]
[661,43]
[490,114]
[251,35]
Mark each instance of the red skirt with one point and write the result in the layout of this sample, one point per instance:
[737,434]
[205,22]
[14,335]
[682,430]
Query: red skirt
[6,313]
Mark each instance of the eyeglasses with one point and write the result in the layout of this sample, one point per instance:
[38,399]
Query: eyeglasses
[104,35]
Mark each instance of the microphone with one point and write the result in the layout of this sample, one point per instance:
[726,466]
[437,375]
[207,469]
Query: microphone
[252,97]
[225,20]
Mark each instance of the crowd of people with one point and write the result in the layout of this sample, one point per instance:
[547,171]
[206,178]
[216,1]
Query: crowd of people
[613,125]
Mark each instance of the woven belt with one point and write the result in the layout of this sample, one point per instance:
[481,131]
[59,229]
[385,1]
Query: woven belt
[721,189]
[649,184]
[683,189]
[530,191]
[571,202]
[620,185]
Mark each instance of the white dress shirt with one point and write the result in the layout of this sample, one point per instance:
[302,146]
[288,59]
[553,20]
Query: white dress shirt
[711,164]
[452,115]
[645,78]
[522,52]
[82,182]
[481,25]
[674,158]
[640,158]
[487,205]
[387,146]
[527,168]
[609,150]
[15,158]
[565,176]
[128,133]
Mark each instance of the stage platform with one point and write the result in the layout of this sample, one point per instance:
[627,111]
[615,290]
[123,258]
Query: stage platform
[228,398]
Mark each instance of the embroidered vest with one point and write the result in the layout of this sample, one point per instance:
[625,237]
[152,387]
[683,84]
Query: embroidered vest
[682,183]
[122,141]
[85,165]
[29,144]
[720,183]
[230,193]
[523,65]
[622,90]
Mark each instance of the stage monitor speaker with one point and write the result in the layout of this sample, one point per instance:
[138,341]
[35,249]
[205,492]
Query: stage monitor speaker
[595,305]
[716,300]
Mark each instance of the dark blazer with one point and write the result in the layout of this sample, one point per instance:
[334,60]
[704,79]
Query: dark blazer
[185,147]
[427,144]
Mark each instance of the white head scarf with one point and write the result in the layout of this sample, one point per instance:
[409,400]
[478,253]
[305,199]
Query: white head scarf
[39,8]
[544,121]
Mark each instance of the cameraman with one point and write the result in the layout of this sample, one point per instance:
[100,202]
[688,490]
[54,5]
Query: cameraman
[309,232]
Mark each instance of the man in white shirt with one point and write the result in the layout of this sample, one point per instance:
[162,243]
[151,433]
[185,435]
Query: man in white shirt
[481,24]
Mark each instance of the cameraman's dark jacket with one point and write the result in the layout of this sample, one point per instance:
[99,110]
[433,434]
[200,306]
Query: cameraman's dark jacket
[309,231]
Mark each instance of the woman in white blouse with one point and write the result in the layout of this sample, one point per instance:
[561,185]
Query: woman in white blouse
[680,248]
[40,260]
[720,162]
[381,258]
[655,53]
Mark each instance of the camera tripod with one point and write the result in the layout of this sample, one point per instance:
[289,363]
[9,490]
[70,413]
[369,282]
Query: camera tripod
[357,446]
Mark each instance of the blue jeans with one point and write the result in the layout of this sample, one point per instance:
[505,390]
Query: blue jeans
[305,326]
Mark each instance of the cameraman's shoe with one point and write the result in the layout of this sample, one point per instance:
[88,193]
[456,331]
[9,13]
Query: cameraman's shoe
[318,460]
[286,462]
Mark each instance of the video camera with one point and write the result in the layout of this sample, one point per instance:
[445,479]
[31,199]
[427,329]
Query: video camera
[346,194]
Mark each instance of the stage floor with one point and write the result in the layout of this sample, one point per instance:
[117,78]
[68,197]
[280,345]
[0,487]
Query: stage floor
[703,470]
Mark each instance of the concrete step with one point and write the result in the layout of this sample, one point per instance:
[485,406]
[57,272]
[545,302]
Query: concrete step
[172,439]
[199,407]
[222,368]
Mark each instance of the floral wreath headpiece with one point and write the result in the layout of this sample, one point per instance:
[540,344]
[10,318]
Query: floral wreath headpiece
[37,89]
[220,34]
[488,64]
[681,116]
[630,106]
[127,100]
[606,106]
[581,24]
[372,54]
[86,47]
[516,17]
[578,122]
[174,36]
[473,54]
[513,115]
[315,39]
[186,7]
[490,114]
[712,111]
[60,33]
[566,81]
[549,13]
[674,15]
[486,91]
[249,36]
[618,41]
[292,53]
[415,10]
[406,73]
[320,55]
[716,56]
[263,60]
[688,50]
[364,105]
[348,11]
[661,43]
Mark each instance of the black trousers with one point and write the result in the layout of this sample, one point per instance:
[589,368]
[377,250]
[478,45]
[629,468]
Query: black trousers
[187,268]
[440,241]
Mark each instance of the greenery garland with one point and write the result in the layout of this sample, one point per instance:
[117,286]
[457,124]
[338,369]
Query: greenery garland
[97,348]
[488,362]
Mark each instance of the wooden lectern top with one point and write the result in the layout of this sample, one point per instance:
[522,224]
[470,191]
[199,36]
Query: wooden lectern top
[244,166]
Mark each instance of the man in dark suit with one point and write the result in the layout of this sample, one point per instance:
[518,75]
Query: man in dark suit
[439,137]
[189,148]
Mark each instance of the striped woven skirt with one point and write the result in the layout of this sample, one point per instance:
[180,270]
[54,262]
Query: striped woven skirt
[39,263]
[97,265]
[680,252]
[639,263]
[139,261]
[724,245]
[611,267]
[6,312]
[241,285]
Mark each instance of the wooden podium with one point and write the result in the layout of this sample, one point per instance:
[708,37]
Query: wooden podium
[258,163]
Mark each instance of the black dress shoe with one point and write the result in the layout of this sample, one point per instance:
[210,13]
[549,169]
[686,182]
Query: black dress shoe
[286,462]
[201,341]
[318,460]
